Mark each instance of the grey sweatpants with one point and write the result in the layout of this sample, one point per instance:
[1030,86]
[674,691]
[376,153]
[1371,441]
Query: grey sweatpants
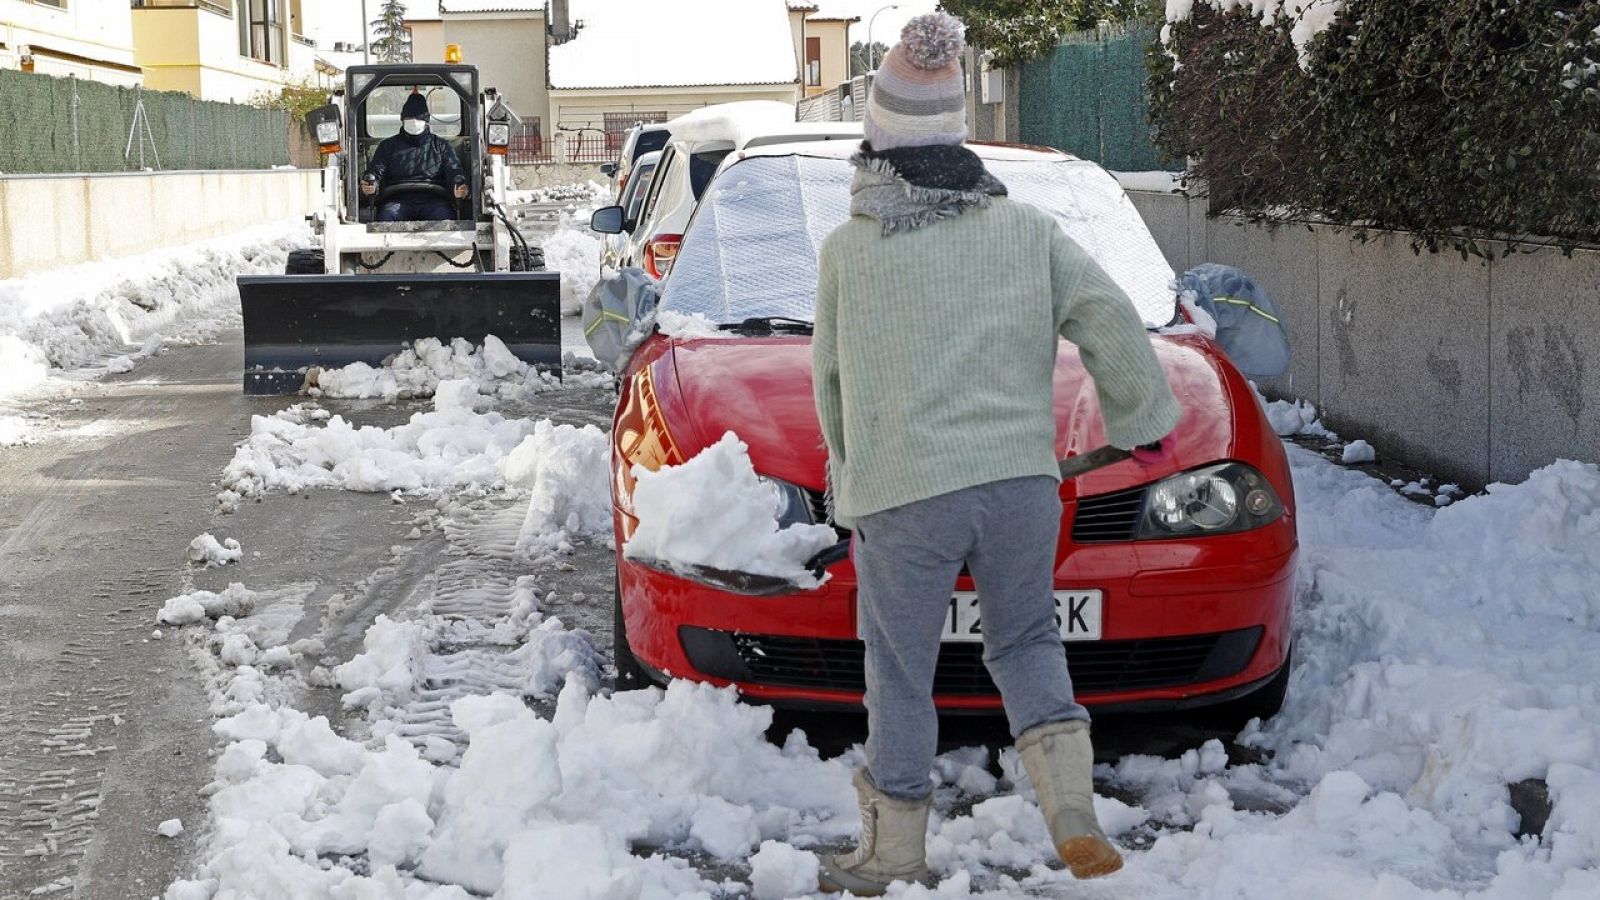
[907,559]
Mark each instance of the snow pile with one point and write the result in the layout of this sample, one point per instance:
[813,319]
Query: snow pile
[83,315]
[566,472]
[587,192]
[15,431]
[714,510]
[1358,452]
[1308,18]
[689,325]
[205,550]
[1291,417]
[417,371]
[779,871]
[535,809]
[171,828]
[186,609]
[575,253]
[452,446]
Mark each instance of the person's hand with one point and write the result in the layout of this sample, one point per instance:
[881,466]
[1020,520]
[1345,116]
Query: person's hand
[1153,454]
[368,188]
[461,191]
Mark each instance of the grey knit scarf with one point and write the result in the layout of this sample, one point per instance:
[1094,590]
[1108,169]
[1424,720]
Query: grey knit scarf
[911,187]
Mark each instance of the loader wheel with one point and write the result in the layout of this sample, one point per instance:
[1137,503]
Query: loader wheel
[305,262]
[531,260]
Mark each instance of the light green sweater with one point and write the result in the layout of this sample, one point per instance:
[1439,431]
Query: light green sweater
[934,353]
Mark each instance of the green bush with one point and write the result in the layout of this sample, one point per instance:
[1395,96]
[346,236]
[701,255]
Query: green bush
[1456,120]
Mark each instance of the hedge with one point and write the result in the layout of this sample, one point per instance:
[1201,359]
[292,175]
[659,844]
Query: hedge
[1456,120]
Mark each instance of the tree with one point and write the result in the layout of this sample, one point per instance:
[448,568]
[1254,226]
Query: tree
[296,99]
[1019,30]
[391,39]
[860,62]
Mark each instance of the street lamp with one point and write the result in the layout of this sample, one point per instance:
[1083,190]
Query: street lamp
[366,35]
[872,65]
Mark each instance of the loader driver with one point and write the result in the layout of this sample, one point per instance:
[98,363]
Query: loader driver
[415,156]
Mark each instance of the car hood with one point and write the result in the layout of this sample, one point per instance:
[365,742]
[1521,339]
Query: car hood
[760,389]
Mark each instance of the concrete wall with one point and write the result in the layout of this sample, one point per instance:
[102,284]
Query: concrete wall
[1480,371]
[571,109]
[48,221]
[543,175]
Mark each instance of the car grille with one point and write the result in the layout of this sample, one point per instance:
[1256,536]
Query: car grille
[1097,666]
[1108,517]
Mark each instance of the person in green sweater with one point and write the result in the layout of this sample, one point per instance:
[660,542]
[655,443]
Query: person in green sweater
[939,308]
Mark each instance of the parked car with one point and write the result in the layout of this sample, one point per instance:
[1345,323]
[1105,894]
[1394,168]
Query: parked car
[614,247]
[1168,602]
[641,139]
[701,141]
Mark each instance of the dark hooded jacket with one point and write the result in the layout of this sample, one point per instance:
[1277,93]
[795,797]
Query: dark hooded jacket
[421,157]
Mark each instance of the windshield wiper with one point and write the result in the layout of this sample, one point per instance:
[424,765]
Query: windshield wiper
[761,326]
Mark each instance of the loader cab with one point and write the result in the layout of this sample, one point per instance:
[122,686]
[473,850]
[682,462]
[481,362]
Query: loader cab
[375,95]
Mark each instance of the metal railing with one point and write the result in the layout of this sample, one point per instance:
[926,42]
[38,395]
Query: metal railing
[529,146]
[592,146]
[221,9]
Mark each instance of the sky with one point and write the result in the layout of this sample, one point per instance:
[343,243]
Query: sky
[340,20]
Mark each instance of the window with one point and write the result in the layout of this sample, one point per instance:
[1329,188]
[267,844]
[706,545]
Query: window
[58,4]
[813,62]
[261,30]
[383,107]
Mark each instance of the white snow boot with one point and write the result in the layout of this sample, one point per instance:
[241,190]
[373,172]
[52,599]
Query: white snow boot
[893,835]
[1060,762]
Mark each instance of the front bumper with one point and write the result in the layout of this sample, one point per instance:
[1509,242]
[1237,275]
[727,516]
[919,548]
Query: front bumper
[1207,632]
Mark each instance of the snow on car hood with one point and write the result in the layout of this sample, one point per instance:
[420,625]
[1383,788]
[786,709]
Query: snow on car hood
[752,249]
[760,389]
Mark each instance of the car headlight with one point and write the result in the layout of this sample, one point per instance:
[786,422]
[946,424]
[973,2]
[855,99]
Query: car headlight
[794,504]
[1217,499]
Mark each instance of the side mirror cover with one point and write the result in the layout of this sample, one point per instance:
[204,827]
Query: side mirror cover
[608,220]
[609,169]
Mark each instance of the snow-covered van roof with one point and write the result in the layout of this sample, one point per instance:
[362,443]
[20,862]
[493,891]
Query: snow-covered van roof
[701,43]
[753,123]
[752,247]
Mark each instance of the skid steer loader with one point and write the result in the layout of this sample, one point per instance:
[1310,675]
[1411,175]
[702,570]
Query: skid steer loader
[371,287]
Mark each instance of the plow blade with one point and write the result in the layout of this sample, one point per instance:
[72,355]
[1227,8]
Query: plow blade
[295,322]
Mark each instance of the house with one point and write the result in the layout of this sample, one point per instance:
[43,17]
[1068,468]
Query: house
[228,50]
[90,39]
[505,39]
[822,45]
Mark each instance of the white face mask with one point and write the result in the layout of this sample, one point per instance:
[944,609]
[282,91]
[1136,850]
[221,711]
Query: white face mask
[414,126]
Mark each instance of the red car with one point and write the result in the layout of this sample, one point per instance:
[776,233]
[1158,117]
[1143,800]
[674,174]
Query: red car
[1175,582]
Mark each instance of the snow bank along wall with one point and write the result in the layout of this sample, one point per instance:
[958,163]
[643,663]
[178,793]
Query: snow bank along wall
[47,221]
[1479,371]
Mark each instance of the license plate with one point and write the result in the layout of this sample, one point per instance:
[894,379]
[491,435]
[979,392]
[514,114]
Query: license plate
[1077,615]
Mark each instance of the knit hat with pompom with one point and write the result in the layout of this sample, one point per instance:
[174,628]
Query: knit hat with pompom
[918,96]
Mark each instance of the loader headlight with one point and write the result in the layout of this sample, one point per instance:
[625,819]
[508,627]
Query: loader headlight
[794,505]
[327,132]
[499,134]
[1219,499]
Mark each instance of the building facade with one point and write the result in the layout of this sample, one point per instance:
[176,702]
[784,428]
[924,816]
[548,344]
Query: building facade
[90,39]
[227,50]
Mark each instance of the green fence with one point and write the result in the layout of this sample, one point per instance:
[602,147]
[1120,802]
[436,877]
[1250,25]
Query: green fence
[52,124]
[1087,98]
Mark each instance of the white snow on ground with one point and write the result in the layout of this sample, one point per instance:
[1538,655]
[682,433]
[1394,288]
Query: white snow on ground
[94,314]
[301,449]
[1441,655]
[1357,452]
[566,472]
[197,606]
[576,255]
[417,370]
[715,511]
[206,550]
[14,430]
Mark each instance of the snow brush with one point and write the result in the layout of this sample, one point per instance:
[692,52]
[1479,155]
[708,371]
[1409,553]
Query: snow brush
[750,584]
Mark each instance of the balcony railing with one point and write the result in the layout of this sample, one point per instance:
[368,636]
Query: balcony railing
[221,9]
